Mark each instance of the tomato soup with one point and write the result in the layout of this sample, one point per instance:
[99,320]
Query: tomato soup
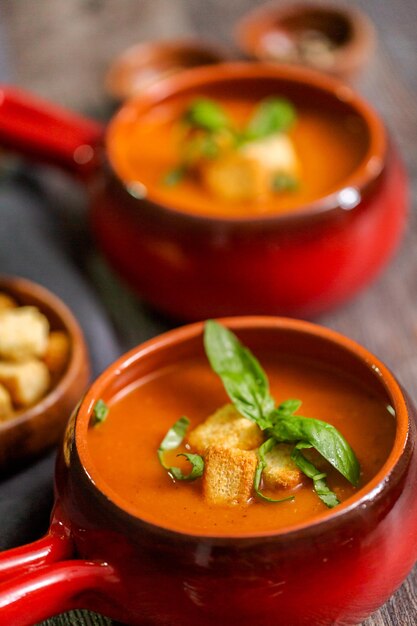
[329,145]
[124,447]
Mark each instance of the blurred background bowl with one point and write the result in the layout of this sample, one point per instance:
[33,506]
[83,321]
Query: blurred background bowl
[296,263]
[143,64]
[38,428]
[333,39]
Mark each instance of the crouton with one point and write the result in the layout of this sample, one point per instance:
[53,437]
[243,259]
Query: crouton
[247,173]
[280,470]
[7,302]
[235,177]
[275,154]
[228,475]
[57,352]
[227,428]
[23,333]
[26,382]
[6,407]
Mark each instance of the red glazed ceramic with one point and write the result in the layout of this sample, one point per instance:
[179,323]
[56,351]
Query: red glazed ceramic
[335,570]
[191,266]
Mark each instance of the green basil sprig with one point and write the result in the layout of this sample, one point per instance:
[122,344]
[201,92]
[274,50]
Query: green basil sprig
[242,375]
[207,114]
[272,115]
[247,386]
[319,478]
[171,441]
[322,436]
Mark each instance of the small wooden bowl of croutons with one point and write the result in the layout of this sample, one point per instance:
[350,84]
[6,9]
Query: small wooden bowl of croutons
[44,369]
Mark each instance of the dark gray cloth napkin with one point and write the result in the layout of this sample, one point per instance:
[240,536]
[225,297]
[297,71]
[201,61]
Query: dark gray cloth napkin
[35,244]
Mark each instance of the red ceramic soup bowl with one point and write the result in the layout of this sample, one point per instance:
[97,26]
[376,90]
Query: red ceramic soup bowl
[193,267]
[337,569]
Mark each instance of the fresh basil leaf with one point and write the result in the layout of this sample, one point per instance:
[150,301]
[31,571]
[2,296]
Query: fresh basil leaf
[289,407]
[207,114]
[173,177]
[175,435]
[284,182]
[243,377]
[272,115]
[247,385]
[100,412]
[319,478]
[262,450]
[171,441]
[322,436]
[197,470]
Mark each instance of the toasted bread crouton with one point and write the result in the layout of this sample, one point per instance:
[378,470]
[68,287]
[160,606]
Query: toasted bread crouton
[6,407]
[57,352]
[6,301]
[281,471]
[26,382]
[228,475]
[23,333]
[247,174]
[235,177]
[227,428]
[275,154]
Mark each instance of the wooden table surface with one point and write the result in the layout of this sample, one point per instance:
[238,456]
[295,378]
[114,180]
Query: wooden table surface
[69,68]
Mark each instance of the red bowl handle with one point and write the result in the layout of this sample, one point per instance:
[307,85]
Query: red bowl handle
[37,582]
[49,133]
[55,546]
[52,589]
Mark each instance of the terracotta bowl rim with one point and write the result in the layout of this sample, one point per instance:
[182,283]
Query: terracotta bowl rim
[369,170]
[347,56]
[151,51]
[17,286]
[345,511]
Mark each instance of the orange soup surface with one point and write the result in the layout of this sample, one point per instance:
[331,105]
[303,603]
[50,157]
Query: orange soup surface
[329,146]
[124,447]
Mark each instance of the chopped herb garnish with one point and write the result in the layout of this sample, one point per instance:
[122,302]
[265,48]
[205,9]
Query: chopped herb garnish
[262,450]
[284,182]
[320,486]
[210,135]
[247,386]
[171,441]
[322,436]
[173,177]
[272,115]
[207,114]
[100,412]
[197,463]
